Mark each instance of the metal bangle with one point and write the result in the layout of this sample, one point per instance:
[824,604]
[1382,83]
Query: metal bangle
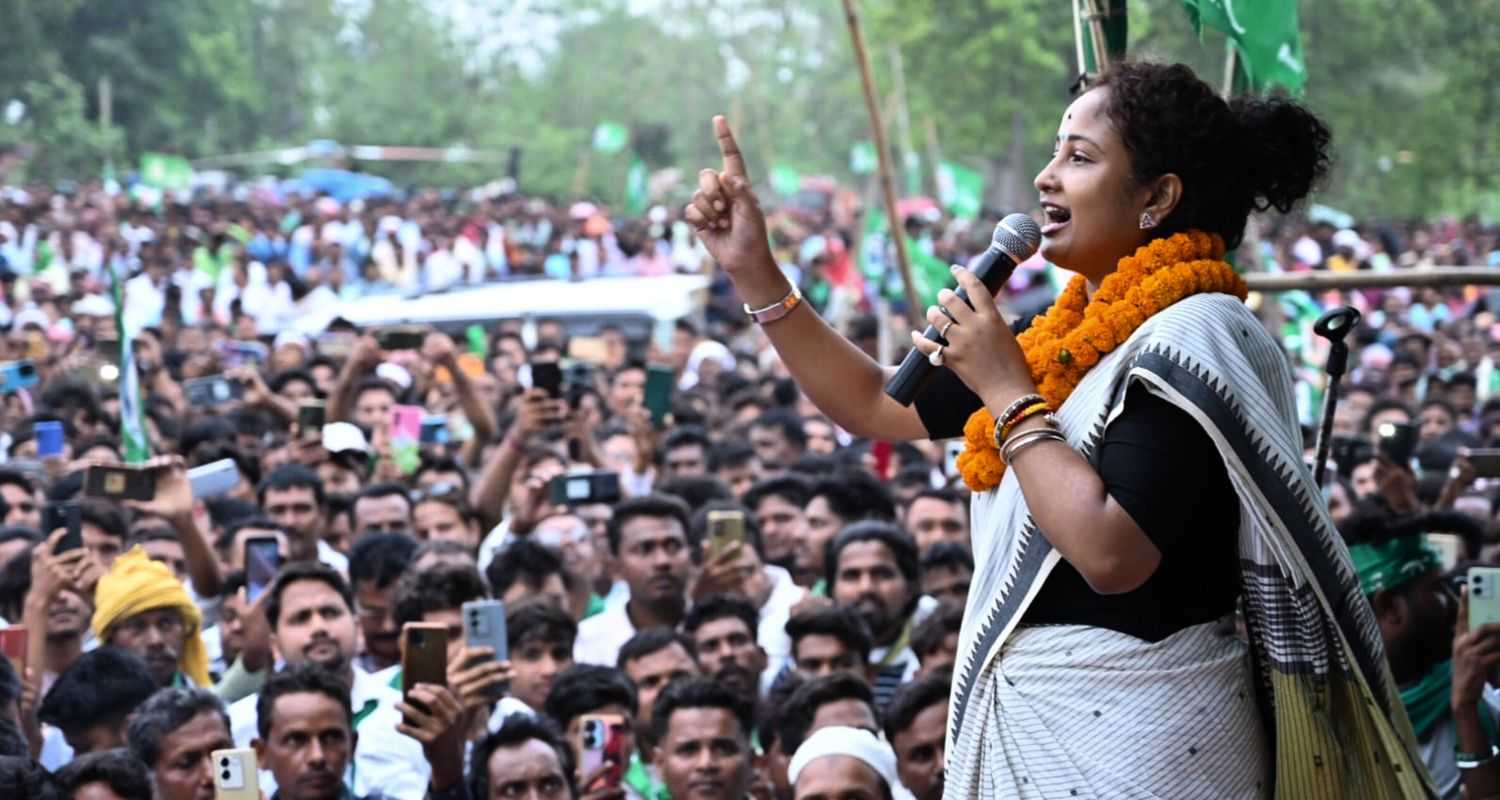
[1026,439]
[1464,760]
[1016,406]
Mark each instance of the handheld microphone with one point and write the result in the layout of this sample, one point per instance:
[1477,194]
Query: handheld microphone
[1016,238]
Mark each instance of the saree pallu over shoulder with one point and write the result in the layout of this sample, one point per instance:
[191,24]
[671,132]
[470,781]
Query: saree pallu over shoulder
[1332,714]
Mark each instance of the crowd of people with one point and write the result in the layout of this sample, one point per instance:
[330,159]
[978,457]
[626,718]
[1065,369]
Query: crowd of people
[804,649]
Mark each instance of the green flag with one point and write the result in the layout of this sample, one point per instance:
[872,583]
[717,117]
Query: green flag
[785,181]
[862,158]
[134,445]
[164,171]
[636,195]
[1115,25]
[1265,33]
[929,274]
[610,137]
[960,189]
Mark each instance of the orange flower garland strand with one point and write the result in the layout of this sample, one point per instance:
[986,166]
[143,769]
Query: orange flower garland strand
[1062,345]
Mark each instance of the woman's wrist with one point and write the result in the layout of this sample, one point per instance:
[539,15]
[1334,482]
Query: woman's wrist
[763,286]
[1000,398]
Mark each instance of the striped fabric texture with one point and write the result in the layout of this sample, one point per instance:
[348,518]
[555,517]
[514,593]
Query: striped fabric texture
[1331,719]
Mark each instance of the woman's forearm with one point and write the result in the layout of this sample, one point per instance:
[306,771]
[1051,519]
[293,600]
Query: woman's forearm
[838,377]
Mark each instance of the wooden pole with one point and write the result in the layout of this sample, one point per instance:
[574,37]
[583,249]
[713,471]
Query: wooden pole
[883,158]
[1096,33]
[1324,281]
[1231,60]
[903,113]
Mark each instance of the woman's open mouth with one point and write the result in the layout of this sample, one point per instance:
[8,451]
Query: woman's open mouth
[1055,218]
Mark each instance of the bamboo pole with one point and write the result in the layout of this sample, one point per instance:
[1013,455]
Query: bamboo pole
[1324,281]
[883,158]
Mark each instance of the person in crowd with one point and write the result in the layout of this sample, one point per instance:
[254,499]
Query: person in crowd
[648,540]
[525,757]
[174,733]
[382,508]
[654,658]
[935,640]
[685,453]
[723,630]
[376,563]
[440,513]
[778,439]
[873,568]
[845,762]
[778,504]
[436,596]
[735,464]
[934,516]
[47,592]
[834,502]
[569,536]
[105,775]
[947,570]
[839,700]
[827,639]
[591,690]
[527,569]
[91,702]
[22,777]
[916,724]
[293,497]
[143,609]
[540,638]
[310,609]
[702,730]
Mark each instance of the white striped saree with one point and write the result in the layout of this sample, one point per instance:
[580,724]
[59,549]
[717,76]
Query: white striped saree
[1320,718]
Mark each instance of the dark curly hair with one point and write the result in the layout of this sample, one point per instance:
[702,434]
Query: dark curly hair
[1237,156]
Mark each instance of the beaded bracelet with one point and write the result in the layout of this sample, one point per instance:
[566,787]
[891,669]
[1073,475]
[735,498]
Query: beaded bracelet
[1015,408]
[1014,447]
[1464,760]
[1024,414]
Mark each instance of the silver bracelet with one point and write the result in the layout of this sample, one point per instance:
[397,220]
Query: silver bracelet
[1026,439]
[1471,761]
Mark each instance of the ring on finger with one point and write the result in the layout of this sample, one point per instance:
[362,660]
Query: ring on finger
[935,358]
[943,331]
[946,312]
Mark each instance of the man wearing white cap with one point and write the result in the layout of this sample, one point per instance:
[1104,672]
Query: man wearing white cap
[841,763]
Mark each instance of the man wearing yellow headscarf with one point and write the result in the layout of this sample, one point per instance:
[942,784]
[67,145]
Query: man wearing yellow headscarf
[140,607]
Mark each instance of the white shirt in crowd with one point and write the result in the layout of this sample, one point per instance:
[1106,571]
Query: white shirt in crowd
[384,760]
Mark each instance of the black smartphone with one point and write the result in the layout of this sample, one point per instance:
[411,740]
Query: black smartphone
[69,517]
[547,375]
[262,562]
[585,488]
[212,391]
[401,338]
[660,381]
[310,417]
[1398,440]
[119,482]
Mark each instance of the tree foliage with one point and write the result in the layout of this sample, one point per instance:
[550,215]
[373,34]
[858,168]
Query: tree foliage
[1407,85]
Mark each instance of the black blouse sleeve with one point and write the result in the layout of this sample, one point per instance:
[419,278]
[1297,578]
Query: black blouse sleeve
[946,403]
[1164,470]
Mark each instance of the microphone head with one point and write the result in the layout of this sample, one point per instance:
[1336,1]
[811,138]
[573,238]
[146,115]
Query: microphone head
[1018,236]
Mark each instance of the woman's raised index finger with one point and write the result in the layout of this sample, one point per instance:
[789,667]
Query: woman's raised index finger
[734,162]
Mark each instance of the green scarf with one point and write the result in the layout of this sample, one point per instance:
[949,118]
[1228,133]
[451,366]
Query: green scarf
[1427,700]
[1391,564]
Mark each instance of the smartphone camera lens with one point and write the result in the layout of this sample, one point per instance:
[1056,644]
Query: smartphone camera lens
[224,762]
[418,638]
[224,775]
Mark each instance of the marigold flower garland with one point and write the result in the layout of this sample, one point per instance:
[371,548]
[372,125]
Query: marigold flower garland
[1063,344]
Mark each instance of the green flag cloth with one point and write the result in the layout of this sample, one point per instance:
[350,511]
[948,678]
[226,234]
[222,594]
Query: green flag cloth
[929,274]
[132,414]
[1265,32]
[1393,563]
[610,137]
[785,181]
[478,344]
[164,171]
[636,194]
[1116,34]
[960,189]
[862,158]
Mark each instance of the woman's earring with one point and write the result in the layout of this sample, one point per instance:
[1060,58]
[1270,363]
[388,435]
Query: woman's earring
[1147,221]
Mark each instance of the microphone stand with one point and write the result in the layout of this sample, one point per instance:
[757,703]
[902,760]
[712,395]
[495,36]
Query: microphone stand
[1334,325]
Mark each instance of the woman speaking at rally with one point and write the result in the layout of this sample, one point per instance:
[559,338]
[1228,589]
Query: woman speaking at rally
[1137,471]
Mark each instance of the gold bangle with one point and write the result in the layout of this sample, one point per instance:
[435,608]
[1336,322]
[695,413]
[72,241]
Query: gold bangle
[1015,407]
[1021,416]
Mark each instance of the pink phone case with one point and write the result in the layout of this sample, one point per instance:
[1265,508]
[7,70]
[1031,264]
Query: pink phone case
[406,422]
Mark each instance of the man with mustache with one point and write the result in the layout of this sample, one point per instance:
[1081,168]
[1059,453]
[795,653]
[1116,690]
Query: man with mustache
[648,541]
[145,611]
[703,732]
[723,630]
[305,733]
[874,568]
[310,611]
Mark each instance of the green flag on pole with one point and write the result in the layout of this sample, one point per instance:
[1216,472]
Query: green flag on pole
[862,158]
[1115,25]
[960,189]
[134,445]
[785,181]
[610,137]
[929,274]
[636,194]
[165,171]
[1265,33]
